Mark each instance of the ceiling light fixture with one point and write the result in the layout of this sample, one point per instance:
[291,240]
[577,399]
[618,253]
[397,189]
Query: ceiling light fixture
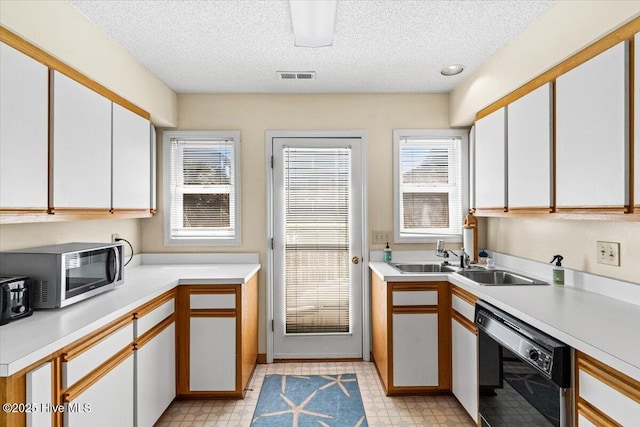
[452,70]
[313,22]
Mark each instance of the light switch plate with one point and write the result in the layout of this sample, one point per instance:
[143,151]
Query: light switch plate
[608,253]
[381,237]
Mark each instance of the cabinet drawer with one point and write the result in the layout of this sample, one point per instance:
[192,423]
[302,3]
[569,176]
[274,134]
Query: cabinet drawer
[611,402]
[401,298]
[87,361]
[149,320]
[463,307]
[212,301]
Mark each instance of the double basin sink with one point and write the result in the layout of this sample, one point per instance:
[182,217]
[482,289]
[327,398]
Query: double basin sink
[476,274]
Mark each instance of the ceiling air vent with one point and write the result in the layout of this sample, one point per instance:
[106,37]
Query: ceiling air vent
[296,75]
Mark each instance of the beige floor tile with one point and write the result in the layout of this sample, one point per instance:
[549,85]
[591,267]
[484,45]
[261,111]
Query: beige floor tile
[425,411]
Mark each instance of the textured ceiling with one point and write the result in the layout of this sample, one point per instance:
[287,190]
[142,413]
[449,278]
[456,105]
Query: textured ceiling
[378,45]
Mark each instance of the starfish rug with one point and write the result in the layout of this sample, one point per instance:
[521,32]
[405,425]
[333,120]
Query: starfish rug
[310,400]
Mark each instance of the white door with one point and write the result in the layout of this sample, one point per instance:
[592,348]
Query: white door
[318,273]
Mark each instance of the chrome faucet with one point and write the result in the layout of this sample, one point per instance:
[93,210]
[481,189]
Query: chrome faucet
[444,253]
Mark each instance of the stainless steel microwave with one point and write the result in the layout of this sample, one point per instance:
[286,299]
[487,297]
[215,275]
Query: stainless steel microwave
[67,273]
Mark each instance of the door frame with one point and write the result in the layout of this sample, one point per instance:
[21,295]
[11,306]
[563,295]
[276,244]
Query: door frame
[366,316]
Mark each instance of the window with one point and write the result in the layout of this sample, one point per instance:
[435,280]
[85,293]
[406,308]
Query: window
[201,188]
[430,173]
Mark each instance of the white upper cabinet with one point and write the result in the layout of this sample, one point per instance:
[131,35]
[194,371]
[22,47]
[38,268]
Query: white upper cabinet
[636,118]
[131,164]
[490,165]
[530,135]
[24,92]
[81,144]
[592,138]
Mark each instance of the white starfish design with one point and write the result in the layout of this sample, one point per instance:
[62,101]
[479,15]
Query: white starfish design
[337,381]
[284,381]
[296,410]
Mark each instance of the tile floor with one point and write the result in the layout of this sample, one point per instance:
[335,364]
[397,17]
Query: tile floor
[432,411]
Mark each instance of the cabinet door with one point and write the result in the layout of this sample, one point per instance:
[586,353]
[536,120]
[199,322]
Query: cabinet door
[464,367]
[592,133]
[415,349]
[131,165]
[24,131]
[110,400]
[156,376]
[154,167]
[490,158]
[81,144]
[212,354]
[529,150]
[38,392]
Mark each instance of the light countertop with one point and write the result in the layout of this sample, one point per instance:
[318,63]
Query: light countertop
[28,340]
[603,327]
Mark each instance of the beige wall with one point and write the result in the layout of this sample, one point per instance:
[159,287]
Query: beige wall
[19,236]
[575,240]
[566,28]
[254,114]
[61,30]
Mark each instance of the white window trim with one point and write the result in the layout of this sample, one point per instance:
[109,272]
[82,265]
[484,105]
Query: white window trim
[166,187]
[398,134]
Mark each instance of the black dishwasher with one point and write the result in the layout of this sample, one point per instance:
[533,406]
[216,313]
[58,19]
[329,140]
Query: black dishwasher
[524,374]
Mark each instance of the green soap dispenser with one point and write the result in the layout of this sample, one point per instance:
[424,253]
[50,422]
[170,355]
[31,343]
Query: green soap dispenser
[558,270]
[387,253]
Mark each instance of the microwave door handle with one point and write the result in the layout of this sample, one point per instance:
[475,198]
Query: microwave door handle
[117,254]
[113,264]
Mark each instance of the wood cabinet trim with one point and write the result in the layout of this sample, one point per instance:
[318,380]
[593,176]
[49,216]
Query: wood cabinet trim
[154,332]
[80,346]
[149,306]
[72,393]
[568,215]
[464,322]
[596,209]
[212,312]
[42,57]
[211,289]
[531,209]
[415,309]
[413,286]
[626,32]
[76,215]
[609,376]
[464,295]
[594,415]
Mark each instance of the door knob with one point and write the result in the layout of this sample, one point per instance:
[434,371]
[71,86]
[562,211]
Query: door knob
[355,260]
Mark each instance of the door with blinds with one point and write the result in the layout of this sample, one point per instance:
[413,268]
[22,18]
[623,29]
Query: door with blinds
[317,217]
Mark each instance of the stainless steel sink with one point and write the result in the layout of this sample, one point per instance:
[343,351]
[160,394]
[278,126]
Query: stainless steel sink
[499,278]
[425,268]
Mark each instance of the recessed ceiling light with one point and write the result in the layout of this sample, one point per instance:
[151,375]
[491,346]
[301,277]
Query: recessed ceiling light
[452,70]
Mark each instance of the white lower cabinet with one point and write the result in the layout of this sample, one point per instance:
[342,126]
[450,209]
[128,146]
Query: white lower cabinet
[415,350]
[605,396]
[106,403]
[212,354]
[155,376]
[464,367]
[39,393]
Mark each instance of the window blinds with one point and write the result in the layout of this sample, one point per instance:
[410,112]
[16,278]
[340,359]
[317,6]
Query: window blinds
[317,185]
[202,189]
[430,186]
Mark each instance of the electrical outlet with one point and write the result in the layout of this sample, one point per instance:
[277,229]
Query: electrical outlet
[608,253]
[114,236]
[381,237]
